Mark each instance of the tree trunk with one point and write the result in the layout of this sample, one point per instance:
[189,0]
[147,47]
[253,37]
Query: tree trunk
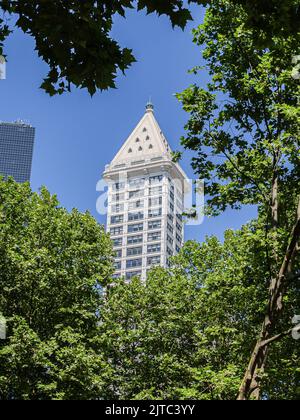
[251,379]
[263,354]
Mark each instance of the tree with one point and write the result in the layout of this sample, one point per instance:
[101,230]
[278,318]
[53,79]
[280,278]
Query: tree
[74,37]
[53,267]
[187,332]
[244,130]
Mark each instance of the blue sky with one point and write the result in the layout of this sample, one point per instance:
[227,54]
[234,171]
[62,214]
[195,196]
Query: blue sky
[76,135]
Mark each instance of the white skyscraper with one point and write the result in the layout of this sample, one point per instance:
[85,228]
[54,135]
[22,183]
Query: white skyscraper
[145,201]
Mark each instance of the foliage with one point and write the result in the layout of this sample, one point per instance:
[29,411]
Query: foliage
[244,130]
[188,332]
[245,124]
[53,266]
[74,37]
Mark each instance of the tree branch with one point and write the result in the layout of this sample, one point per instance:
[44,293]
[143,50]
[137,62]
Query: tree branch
[276,337]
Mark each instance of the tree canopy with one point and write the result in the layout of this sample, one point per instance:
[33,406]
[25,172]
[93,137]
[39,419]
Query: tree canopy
[244,131]
[188,332]
[53,267]
[185,333]
[74,37]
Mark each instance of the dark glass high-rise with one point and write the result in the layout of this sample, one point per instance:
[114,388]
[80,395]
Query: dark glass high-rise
[16,150]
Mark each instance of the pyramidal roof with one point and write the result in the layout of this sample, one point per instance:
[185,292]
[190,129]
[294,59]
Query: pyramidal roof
[146,140]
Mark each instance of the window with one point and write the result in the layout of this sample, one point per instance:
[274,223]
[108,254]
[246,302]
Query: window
[117,219]
[171,217]
[169,252]
[137,183]
[118,197]
[155,190]
[155,224]
[134,263]
[155,213]
[171,185]
[136,205]
[136,194]
[147,138]
[135,216]
[170,228]
[130,150]
[179,216]
[118,265]
[137,239]
[116,231]
[172,196]
[134,251]
[118,253]
[154,236]
[137,140]
[116,276]
[155,179]
[150,146]
[171,207]
[153,260]
[179,204]
[151,249]
[179,226]
[177,248]
[119,186]
[170,240]
[140,148]
[117,208]
[145,130]
[138,227]
[132,274]
[179,238]
[154,202]
[118,241]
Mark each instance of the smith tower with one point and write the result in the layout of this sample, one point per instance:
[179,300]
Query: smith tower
[145,201]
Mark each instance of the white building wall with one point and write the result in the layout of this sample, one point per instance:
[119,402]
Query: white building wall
[169,202]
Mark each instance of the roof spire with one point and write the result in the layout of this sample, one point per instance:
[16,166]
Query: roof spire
[149,106]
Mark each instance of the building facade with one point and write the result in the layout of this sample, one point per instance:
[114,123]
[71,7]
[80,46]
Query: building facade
[145,201]
[16,150]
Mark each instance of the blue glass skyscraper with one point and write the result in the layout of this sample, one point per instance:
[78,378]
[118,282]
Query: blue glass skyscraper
[16,150]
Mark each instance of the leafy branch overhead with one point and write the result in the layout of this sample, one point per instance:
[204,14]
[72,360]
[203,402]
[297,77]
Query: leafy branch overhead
[74,37]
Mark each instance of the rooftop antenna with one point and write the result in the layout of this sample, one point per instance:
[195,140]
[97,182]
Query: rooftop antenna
[150,106]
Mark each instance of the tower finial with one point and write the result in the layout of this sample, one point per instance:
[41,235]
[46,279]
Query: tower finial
[149,106]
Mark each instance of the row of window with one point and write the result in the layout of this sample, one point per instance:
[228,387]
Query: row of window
[139,227]
[132,240]
[129,275]
[152,202]
[151,261]
[136,251]
[140,149]
[139,182]
[136,194]
[152,237]
[138,262]
[119,218]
